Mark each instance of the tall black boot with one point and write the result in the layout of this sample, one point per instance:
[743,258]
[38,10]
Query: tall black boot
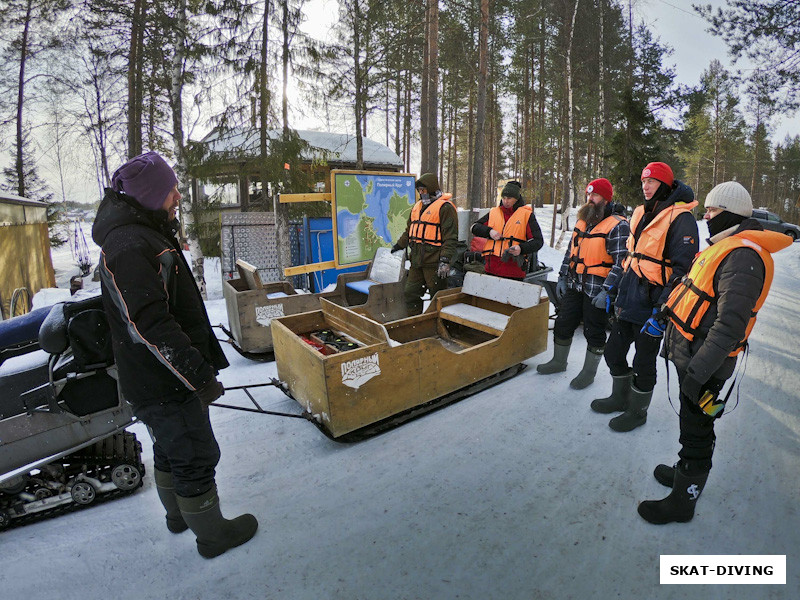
[215,534]
[166,493]
[636,413]
[618,400]
[679,505]
[590,362]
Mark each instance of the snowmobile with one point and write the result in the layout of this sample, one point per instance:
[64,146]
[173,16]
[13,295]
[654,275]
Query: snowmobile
[62,418]
[356,376]
[251,304]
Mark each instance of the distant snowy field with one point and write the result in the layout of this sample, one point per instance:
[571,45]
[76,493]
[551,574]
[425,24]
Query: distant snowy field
[519,492]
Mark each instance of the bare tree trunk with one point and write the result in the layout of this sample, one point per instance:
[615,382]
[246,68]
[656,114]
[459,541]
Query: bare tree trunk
[181,166]
[282,210]
[135,91]
[359,83]
[601,84]
[424,97]
[433,88]
[19,164]
[569,196]
[476,190]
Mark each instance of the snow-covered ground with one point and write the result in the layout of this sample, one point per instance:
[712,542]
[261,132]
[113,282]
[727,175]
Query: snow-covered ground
[518,492]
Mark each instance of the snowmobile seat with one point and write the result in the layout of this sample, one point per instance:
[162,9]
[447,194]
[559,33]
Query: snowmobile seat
[78,335]
[20,335]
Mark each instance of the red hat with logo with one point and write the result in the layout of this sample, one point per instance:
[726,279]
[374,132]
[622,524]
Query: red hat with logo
[660,171]
[601,186]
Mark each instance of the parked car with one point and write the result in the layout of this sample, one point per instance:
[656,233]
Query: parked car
[773,222]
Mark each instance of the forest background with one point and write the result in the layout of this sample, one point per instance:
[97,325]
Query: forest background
[550,92]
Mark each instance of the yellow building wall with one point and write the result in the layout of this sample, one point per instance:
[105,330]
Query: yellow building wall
[25,261]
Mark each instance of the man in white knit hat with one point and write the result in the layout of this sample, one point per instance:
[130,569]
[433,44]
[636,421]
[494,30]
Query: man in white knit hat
[712,312]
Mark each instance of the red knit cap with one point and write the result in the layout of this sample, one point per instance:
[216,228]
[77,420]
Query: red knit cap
[601,186]
[660,171]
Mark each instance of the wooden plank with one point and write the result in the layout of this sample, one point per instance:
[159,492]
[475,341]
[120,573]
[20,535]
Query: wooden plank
[315,197]
[250,274]
[302,269]
[506,291]
[461,320]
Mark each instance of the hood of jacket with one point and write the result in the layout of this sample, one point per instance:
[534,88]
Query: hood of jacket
[118,210]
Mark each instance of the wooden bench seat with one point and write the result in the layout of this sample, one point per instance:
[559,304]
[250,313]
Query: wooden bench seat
[488,321]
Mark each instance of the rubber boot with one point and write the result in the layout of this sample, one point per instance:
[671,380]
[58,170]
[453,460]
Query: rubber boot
[665,475]
[636,413]
[586,377]
[618,400]
[679,505]
[166,493]
[215,534]
[558,363]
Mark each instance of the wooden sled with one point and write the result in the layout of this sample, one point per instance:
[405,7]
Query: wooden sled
[251,305]
[466,336]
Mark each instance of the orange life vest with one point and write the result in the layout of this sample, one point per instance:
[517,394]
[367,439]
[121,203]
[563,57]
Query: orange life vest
[646,256]
[692,297]
[513,231]
[425,224]
[588,253]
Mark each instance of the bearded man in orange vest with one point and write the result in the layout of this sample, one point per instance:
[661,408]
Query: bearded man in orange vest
[512,233]
[590,272]
[661,246]
[711,314]
[431,237]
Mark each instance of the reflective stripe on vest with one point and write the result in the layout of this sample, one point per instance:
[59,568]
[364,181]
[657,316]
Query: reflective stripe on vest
[513,231]
[692,297]
[425,222]
[646,258]
[589,254]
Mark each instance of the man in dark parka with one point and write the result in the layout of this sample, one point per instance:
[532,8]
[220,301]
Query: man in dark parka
[166,353]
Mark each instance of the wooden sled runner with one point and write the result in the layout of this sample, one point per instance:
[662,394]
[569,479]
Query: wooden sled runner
[251,305]
[372,371]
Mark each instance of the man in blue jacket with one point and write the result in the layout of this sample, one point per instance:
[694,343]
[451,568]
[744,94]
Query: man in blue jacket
[661,246]
[166,353]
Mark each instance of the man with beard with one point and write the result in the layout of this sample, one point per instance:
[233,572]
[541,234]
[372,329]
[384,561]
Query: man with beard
[589,275]
[712,312]
[662,244]
[512,233]
[166,353]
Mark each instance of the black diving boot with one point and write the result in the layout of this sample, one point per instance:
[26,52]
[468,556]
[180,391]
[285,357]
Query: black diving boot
[166,493]
[215,534]
[679,505]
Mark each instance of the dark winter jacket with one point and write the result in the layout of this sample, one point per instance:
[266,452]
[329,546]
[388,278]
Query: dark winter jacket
[427,255]
[637,297]
[163,343]
[494,264]
[737,283]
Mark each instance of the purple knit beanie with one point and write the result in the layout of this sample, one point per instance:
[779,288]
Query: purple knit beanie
[147,178]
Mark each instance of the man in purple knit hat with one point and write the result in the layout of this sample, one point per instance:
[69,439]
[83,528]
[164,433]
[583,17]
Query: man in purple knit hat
[166,353]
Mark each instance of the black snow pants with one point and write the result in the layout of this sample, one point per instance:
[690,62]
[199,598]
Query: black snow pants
[623,334]
[575,306]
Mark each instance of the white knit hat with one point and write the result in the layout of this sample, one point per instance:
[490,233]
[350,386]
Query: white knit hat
[730,196]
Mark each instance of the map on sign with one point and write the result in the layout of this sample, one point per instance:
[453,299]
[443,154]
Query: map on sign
[371,211]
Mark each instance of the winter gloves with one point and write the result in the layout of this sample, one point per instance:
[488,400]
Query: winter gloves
[602,301]
[444,268]
[656,324]
[561,288]
[210,391]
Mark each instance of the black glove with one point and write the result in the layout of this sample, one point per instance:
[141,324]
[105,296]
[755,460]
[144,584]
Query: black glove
[210,391]
[444,268]
[395,248]
[561,288]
